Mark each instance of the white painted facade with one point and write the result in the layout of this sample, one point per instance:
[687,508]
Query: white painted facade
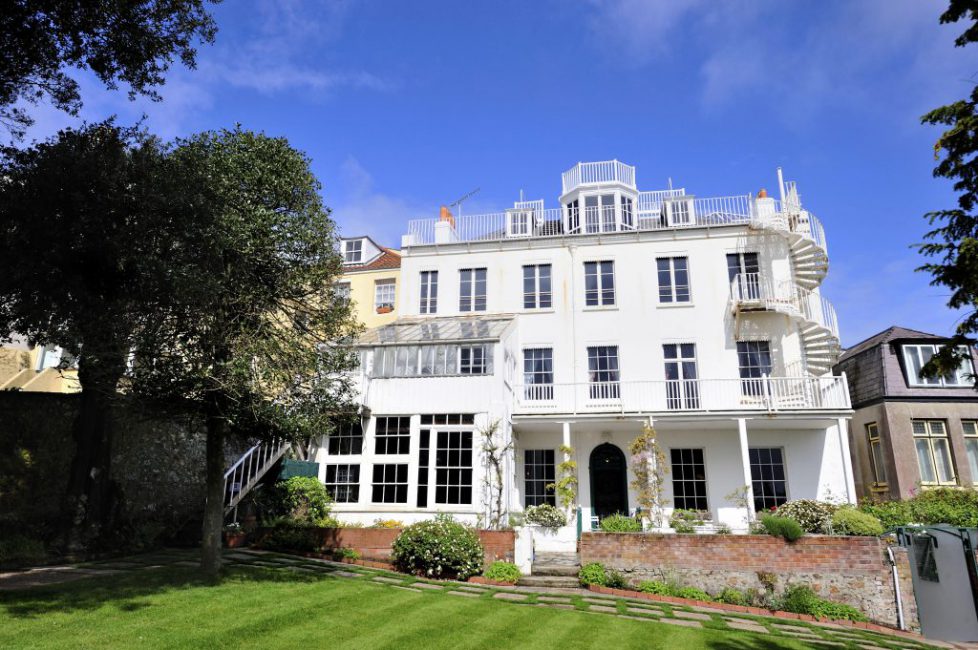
[725,418]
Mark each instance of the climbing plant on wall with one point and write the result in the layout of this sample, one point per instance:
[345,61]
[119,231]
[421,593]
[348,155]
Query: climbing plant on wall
[649,468]
[566,486]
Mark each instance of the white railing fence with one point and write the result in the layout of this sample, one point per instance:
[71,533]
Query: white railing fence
[249,469]
[785,296]
[750,394]
[609,171]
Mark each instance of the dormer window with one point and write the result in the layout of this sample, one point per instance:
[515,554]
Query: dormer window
[915,356]
[353,251]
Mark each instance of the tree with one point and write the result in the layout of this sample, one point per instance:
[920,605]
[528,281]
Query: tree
[954,242]
[81,220]
[252,339]
[132,41]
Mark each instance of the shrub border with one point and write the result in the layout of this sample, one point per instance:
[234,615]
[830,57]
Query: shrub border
[756,611]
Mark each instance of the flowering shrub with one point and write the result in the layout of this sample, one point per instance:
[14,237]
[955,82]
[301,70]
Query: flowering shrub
[438,548]
[545,515]
[387,523]
[954,506]
[812,516]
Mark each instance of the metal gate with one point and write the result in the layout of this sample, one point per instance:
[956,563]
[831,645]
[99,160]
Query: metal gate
[945,579]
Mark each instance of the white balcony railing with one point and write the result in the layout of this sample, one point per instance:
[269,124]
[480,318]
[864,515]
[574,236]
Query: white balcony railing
[754,290]
[699,395]
[648,215]
[609,171]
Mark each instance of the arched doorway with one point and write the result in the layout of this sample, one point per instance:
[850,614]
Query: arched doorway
[609,481]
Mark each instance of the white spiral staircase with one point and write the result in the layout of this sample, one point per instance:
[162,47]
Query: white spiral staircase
[798,298]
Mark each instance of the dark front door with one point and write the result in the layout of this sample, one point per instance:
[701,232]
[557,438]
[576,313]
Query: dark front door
[609,481]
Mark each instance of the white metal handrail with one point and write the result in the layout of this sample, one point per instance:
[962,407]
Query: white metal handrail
[249,469]
[608,171]
[668,396]
[785,296]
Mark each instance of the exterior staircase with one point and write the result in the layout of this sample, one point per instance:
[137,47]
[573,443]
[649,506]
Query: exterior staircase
[248,471]
[553,570]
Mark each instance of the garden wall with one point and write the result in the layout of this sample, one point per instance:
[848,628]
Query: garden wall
[375,543]
[851,570]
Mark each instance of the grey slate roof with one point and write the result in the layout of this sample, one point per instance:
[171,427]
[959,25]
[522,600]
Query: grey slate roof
[893,333]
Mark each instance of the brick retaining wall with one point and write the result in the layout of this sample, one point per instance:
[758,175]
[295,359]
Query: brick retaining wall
[375,543]
[852,570]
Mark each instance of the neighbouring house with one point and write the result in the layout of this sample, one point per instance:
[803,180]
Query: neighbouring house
[571,328]
[370,278]
[909,432]
[35,368]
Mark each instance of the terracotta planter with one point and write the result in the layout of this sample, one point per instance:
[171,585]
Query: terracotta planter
[234,540]
[384,310]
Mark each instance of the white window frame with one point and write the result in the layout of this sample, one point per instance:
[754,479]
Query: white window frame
[600,281]
[345,485]
[384,287]
[428,292]
[537,295]
[913,351]
[674,296]
[353,254]
[473,299]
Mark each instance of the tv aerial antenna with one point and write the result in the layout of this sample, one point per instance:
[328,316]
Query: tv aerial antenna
[458,202]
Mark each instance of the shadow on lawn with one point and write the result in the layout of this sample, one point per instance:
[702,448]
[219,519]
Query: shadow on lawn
[126,591]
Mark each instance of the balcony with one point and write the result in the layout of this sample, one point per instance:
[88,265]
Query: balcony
[594,173]
[763,394]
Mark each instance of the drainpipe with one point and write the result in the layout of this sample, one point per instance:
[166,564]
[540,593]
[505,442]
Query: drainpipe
[896,588]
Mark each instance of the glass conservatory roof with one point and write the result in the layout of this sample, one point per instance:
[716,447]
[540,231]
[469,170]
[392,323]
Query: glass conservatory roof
[434,330]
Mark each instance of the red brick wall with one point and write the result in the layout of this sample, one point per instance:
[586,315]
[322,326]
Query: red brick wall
[375,543]
[810,554]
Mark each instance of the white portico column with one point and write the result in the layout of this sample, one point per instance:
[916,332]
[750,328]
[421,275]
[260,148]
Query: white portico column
[843,427]
[565,443]
[745,462]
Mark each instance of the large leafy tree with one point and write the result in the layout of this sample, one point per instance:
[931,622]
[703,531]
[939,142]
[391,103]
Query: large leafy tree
[252,341]
[128,41]
[953,242]
[83,218]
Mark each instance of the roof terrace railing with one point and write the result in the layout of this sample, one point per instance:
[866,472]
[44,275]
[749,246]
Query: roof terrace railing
[609,171]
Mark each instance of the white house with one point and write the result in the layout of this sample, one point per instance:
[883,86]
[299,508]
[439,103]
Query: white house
[575,326]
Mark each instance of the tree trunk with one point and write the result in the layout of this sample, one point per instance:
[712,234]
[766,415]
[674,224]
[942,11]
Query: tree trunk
[87,504]
[210,560]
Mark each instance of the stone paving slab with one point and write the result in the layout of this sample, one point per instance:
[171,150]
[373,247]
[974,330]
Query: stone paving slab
[508,596]
[674,621]
[556,605]
[467,594]
[390,581]
[748,627]
[403,588]
[639,610]
[598,601]
[425,585]
[472,590]
[603,608]
[347,574]
[695,616]
[792,628]
[639,618]
[554,599]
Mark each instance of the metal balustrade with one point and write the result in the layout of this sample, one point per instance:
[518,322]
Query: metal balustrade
[755,290]
[248,470]
[693,395]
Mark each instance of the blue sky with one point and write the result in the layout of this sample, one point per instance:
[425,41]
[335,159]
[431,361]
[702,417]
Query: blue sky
[404,106]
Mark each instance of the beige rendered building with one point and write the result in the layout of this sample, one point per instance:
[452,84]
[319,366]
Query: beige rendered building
[371,277]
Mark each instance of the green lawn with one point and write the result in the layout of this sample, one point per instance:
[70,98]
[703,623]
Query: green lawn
[254,608]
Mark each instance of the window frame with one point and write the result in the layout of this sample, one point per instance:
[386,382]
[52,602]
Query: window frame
[877,462]
[774,498]
[396,486]
[536,297]
[349,249]
[351,487]
[340,435]
[531,476]
[929,436]
[469,298]
[389,284]
[913,377]
[428,292]
[533,388]
[697,484]
[682,391]
[608,388]
[451,474]
[971,446]
[669,293]
[396,433]
[602,271]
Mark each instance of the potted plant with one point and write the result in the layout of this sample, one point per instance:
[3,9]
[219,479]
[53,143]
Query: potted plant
[234,536]
[385,309]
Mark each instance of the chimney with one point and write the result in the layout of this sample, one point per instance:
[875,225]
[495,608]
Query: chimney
[762,194]
[446,215]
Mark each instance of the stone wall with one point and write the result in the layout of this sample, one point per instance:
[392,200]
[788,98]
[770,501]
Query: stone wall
[851,570]
[376,543]
[158,467]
